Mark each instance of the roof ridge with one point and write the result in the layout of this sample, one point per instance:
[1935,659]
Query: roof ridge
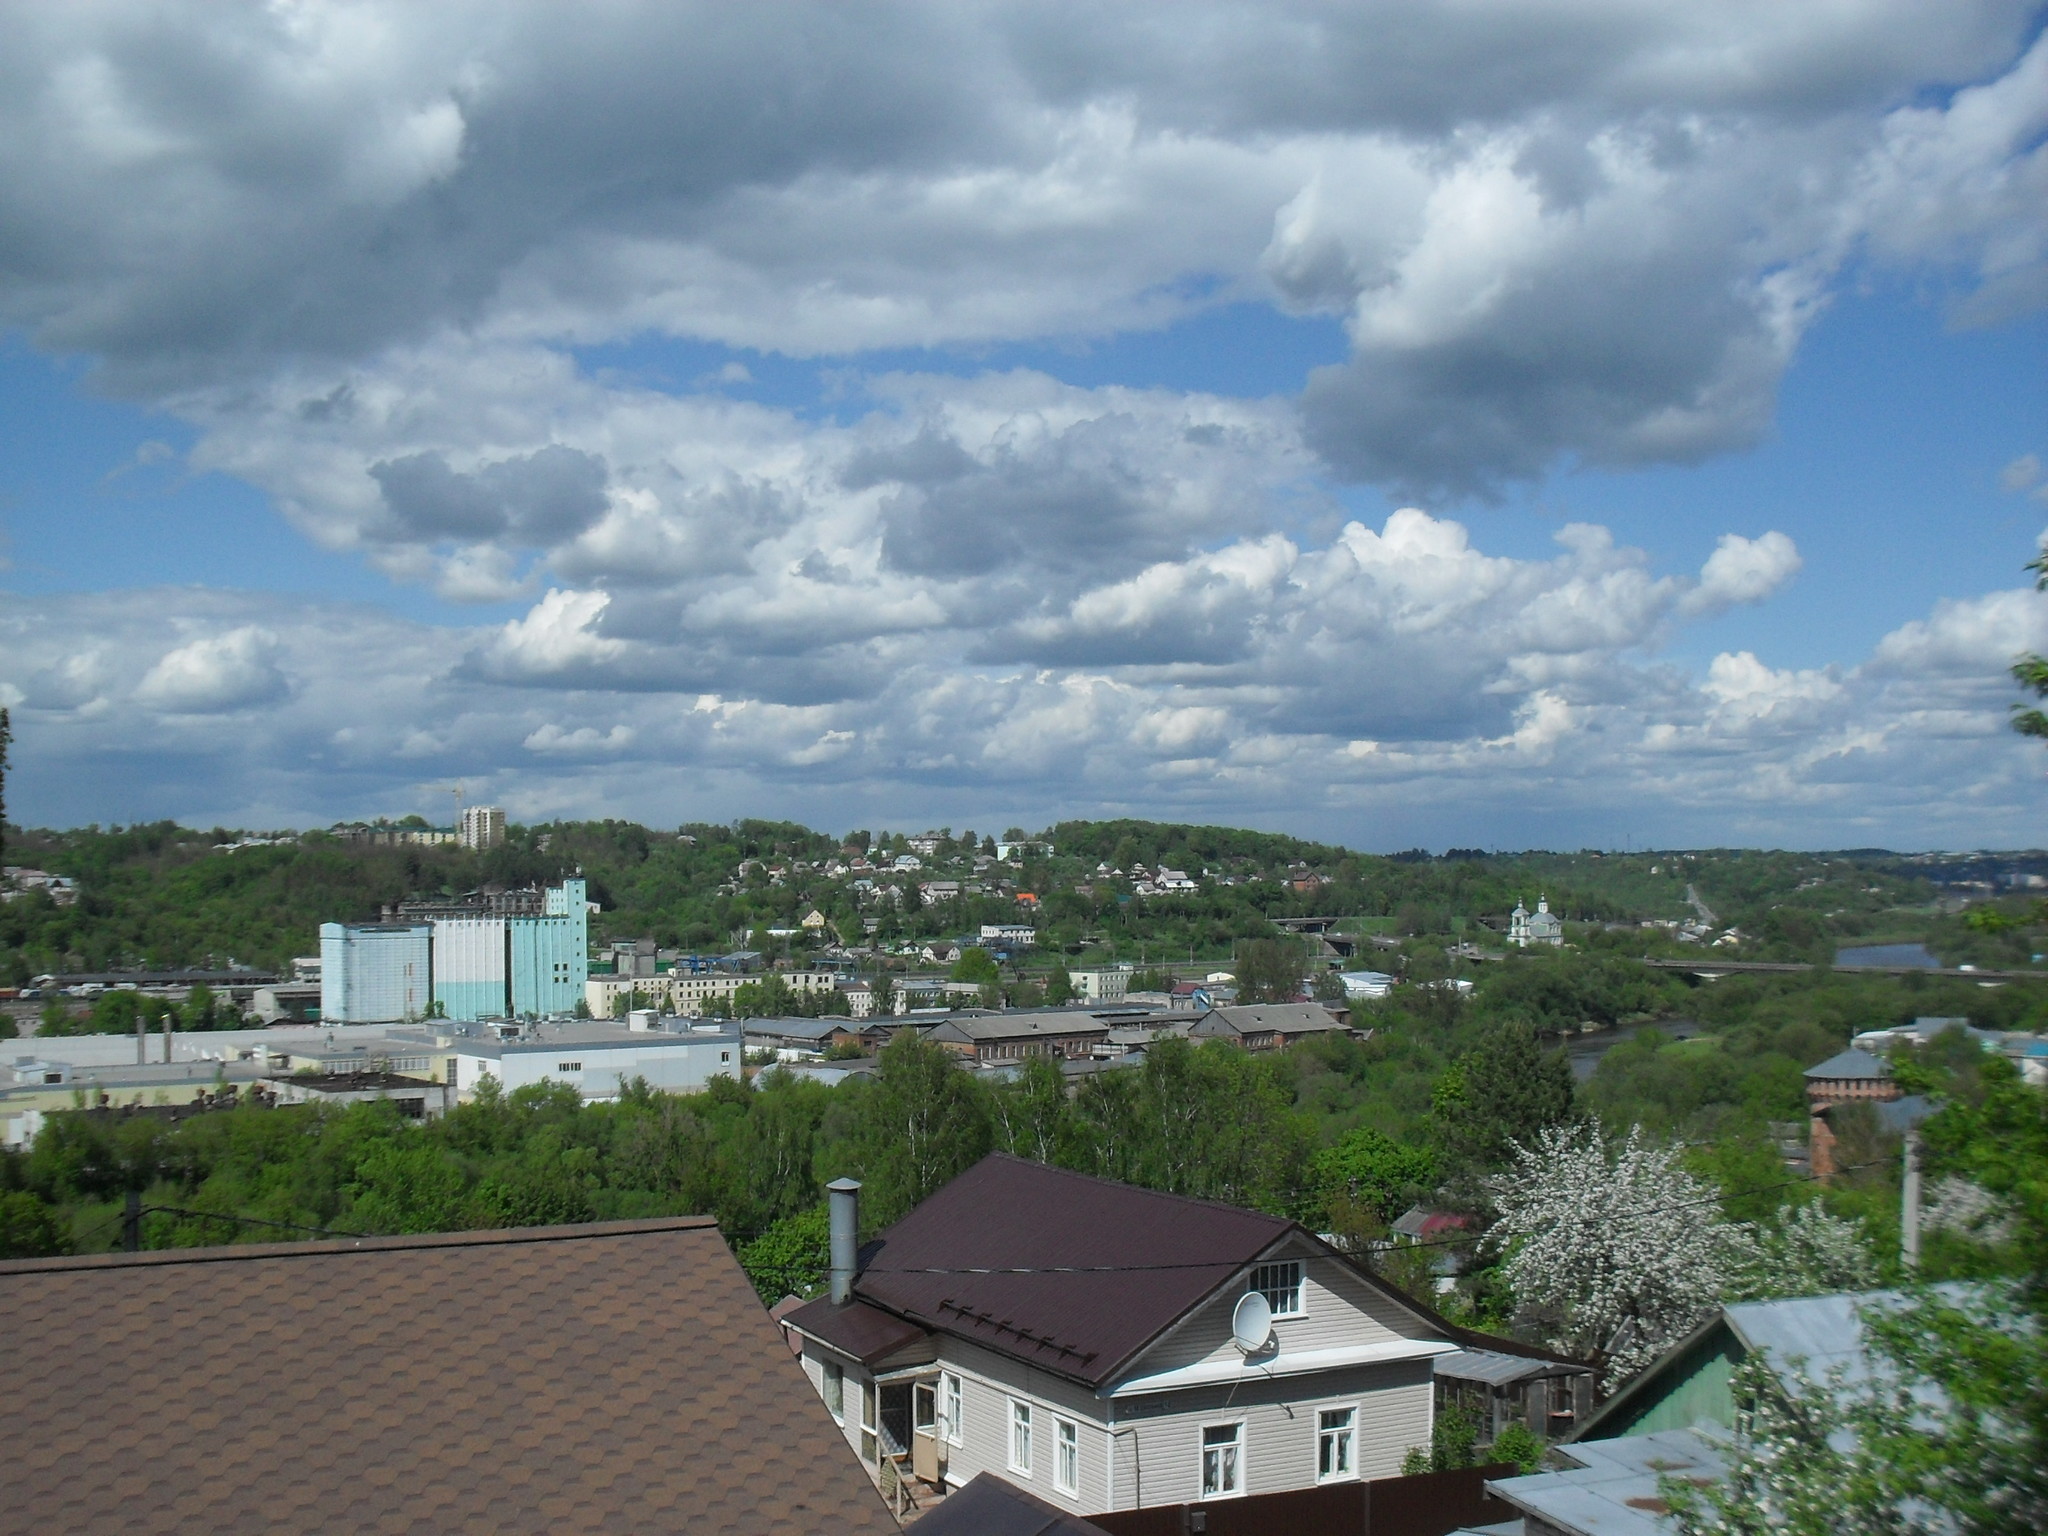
[228,1253]
[1162,1194]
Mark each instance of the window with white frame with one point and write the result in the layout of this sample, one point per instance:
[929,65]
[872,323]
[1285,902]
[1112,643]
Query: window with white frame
[952,1404]
[1336,1434]
[1222,1460]
[1066,1456]
[1020,1437]
[1280,1284]
[835,1390]
[870,1437]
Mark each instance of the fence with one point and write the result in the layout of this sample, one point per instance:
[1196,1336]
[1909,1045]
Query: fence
[1427,1504]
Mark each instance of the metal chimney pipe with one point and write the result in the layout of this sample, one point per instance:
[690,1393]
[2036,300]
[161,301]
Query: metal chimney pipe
[843,1196]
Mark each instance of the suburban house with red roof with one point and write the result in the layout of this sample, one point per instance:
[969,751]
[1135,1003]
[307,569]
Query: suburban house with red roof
[1075,1336]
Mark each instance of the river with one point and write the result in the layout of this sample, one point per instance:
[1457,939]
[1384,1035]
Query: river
[1585,1051]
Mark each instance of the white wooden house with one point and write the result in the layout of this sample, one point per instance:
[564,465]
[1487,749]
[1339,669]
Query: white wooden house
[1074,1336]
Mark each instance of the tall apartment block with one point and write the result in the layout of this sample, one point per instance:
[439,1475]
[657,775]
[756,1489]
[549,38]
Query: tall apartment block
[483,826]
[476,964]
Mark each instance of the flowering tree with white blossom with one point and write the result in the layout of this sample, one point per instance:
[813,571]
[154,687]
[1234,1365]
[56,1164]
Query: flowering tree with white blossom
[1807,1252]
[1613,1251]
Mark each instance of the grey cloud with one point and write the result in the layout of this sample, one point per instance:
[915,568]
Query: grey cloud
[1609,362]
[1069,504]
[933,457]
[191,192]
[538,499]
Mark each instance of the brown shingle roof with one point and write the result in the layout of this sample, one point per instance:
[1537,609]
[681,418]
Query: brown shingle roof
[1114,1265]
[613,1377]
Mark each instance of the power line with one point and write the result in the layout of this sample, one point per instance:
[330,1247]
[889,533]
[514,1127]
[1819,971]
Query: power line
[1440,1242]
[252,1221]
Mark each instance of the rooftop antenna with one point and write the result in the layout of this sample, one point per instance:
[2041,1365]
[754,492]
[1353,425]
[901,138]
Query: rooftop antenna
[1251,1324]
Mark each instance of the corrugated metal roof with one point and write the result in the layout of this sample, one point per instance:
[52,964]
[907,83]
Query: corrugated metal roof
[1110,1266]
[1615,1492]
[1497,1369]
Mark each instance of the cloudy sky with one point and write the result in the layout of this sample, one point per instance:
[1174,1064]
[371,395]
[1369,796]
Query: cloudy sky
[1487,423]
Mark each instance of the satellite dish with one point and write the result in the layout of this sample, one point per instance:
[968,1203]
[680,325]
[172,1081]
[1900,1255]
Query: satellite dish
[1251,1324]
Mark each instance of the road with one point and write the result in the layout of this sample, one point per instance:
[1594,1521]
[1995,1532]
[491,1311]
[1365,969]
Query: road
[1719,967]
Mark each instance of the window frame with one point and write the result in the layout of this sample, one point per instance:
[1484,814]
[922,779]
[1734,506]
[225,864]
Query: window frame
[1346,1434]
[1020,1437]
[870,1422]
[1066,1456]
[835,1391]
[1238,1467]
[1267,1279]
[953,1406]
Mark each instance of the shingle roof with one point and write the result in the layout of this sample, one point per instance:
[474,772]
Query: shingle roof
[1851,1065]
[1113,1265]
[532,1380]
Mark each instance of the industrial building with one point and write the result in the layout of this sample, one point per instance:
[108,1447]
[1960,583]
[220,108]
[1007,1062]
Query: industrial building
[463,962]
[375,973]
[671,1055]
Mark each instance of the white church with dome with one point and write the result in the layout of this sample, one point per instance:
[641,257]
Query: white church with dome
[1539,927]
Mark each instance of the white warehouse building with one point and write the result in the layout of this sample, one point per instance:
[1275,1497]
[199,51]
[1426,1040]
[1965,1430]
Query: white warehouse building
[598,1058]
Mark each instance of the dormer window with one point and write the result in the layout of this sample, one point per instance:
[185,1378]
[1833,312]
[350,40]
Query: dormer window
[1280,1284]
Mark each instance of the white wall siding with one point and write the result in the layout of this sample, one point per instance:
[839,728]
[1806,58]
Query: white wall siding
[1159,1455]
[988,1384]
[1340,1308]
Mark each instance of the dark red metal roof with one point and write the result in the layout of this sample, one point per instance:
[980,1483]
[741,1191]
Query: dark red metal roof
[1105,1267]
[867,1333]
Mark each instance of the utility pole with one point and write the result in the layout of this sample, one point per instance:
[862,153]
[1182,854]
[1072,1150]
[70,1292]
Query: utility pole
[131,1223]
[1909,1217]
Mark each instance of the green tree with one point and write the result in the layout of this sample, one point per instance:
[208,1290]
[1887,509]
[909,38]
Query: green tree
[1452,1440]
[976,965]
[2030,671]
[791,1257]
[1497,1096]
[920,1122]
[1269,970]
[1031,1115]
[1370,1170]
[1519,1444]
[29,1228]
[1059,986]
[200,1010]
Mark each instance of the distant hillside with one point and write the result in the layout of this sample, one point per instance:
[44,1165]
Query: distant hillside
[166,895]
